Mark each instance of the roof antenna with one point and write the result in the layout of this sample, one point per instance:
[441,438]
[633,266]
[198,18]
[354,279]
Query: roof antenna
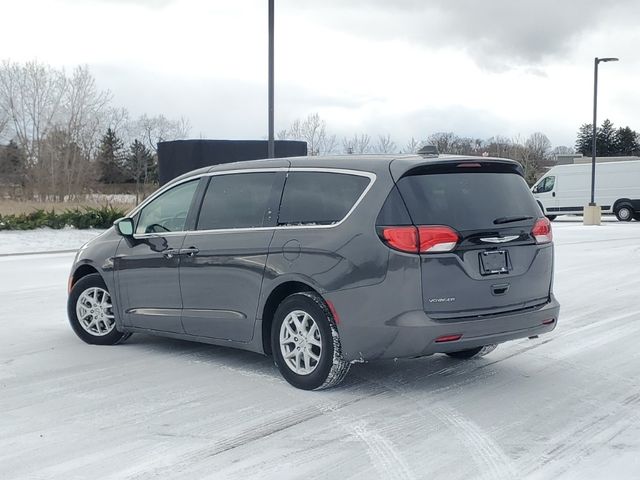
[428,151]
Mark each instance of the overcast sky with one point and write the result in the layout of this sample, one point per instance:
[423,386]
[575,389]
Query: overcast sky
[404,67]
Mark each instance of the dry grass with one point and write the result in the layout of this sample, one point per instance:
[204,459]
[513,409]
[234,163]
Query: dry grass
[9,207]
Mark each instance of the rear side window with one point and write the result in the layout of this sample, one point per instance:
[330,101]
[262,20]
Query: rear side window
[319,198]
[467,201]
[241,200]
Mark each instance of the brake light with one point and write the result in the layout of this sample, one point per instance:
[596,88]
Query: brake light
[425,239]
[404,239]
[542,231]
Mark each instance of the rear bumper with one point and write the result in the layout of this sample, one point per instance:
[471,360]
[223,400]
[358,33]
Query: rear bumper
[413,333]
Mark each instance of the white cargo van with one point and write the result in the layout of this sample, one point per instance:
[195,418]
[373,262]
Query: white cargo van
[566,189]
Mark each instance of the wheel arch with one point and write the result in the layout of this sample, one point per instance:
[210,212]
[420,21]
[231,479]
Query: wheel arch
[621,201]
[277,295]
[81,271]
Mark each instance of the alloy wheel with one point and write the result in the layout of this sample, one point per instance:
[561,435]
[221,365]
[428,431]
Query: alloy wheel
[300,342]
[95,311]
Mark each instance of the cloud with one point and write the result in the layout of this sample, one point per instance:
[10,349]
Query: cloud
[151,4]
[497,34]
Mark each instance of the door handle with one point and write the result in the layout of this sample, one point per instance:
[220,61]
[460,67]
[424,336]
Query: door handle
[171,252]
[190,252]
[553,194]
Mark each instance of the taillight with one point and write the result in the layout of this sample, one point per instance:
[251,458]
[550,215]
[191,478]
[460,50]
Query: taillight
[542,231]
[404,239]
[437,239]
[425,239]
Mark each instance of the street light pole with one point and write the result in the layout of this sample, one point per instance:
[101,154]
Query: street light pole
[592,213]
[271,144]
[593,138]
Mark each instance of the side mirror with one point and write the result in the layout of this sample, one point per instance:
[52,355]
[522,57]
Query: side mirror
[124,226]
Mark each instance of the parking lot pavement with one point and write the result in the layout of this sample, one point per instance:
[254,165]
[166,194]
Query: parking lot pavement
[566,405]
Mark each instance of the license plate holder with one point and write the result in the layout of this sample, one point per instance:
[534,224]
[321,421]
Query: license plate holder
[494,262]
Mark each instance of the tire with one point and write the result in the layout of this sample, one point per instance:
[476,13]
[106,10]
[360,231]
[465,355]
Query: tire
[90,295]
[636,217]
[472,352]
[299,313]
[551,217]
[624,212]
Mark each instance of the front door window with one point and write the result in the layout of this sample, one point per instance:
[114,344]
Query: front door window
[168,212]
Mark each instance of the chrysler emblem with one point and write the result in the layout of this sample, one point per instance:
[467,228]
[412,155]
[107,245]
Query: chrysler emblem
[499,239]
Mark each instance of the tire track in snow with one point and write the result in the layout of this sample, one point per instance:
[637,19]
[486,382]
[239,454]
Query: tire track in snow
[575,444]
[483,448]
[559,336]
[237,439]
[383,453]
[485,452]
[385,457]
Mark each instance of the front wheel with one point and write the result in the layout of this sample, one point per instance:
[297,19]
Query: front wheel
[305,343]
[624,213]
[472,352]
[91,312]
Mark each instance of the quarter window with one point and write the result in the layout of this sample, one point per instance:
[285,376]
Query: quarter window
[168,212]
[319,198]
[242,200]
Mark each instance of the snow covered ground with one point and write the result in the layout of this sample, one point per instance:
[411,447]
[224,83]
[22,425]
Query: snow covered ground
[44,240]
[566,405]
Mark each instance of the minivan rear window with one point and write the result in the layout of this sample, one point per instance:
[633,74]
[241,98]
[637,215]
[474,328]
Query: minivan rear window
[467,201]
[319,198]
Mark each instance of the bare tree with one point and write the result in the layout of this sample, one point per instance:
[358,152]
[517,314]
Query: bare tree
[4,121]
[359,143]
[152,130]
[56,119]
[446,142]
[562,150]
[538,146]
[312,130]
[385,144]
[31,96]
[412,146]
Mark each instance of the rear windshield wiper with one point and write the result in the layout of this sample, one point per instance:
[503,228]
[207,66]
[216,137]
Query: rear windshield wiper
[519,218]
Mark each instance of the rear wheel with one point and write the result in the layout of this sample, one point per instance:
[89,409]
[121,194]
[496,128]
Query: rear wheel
[305,343]
[624,213]
[473,352]
[637,217]
[91,312]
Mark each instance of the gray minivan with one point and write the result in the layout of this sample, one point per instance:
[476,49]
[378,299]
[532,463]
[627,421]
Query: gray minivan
[326,261]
